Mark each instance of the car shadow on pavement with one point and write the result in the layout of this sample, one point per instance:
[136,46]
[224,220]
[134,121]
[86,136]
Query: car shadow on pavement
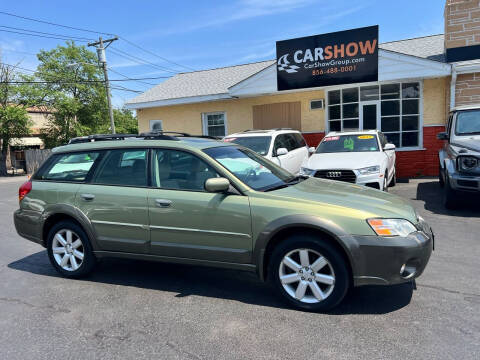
[432,194]
[218,283]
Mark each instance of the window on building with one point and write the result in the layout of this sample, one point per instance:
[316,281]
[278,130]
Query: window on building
[214,124]
[316,104]
[398,105]
[156,125]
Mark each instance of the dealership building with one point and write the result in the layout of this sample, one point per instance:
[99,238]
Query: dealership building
[404,88]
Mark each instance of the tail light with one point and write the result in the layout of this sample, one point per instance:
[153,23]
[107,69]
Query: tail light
[24,190]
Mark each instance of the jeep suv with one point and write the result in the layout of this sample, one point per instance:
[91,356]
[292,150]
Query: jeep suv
[460,157]
[194,200]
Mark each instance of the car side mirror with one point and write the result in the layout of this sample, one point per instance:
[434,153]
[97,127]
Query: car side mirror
[389,147]
[311,149]
[282,151]
[217,185]
[442,136]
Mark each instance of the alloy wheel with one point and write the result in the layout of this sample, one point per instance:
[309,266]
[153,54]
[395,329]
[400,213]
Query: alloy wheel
[68,250]
[306,275]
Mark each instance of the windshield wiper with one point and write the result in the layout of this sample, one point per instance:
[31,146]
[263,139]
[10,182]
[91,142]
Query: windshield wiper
[296,179]
[470,133]
[278,187]
[293,181]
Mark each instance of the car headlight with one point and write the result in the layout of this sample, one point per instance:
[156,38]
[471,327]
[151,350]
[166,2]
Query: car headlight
[307,171]
[369,170]
[391,227]
[467,163]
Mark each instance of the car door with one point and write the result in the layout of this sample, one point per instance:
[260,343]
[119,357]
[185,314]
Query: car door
[300,152]
[390,154]
[188,222]
[115,201]
[286,161]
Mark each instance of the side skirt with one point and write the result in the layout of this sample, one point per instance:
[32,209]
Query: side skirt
[176,260]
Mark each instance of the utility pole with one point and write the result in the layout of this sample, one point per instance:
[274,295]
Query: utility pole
[102,59]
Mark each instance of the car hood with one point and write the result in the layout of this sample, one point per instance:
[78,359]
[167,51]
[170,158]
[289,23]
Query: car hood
[347,160]
[373,203]
[471,143]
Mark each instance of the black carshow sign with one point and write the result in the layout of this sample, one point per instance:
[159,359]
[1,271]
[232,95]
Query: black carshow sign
[343,57]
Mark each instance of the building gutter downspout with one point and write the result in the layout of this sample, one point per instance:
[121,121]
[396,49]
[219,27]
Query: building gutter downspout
[453,83]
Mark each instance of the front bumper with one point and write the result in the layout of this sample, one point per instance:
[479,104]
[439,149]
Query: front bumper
[392,260]
[372,180]
[463,182]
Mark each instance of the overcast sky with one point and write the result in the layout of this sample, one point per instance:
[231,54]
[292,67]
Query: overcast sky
[204,34]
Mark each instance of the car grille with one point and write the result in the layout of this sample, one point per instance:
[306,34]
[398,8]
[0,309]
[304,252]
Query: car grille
[339,175]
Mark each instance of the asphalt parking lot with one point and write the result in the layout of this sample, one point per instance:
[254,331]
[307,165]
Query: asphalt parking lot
[132,309]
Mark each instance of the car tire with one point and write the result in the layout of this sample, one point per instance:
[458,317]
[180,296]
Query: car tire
[441,179]
[385,182]
[331,294]
[393,182]
[449,196]
[69,249]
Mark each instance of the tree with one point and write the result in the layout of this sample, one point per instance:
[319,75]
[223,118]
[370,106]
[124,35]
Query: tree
[14,120]
[73,88]
[125,122]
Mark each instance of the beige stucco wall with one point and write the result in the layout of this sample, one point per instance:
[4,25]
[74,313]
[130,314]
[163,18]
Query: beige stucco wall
[188,117]
[435,97]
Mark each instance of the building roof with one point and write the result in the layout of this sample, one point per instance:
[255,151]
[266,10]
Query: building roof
[215,82]
[427,47]
[204,82]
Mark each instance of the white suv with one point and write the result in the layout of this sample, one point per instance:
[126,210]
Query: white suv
[285,147]
[361,157]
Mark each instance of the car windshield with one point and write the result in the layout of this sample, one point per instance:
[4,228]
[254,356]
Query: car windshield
[259,144]
[468,123]
[348,143]
[254,170]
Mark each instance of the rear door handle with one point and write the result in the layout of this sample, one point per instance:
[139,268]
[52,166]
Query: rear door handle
[163,203]
[87,197]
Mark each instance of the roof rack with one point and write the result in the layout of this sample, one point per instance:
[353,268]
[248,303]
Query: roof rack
[262,130]
[152,135]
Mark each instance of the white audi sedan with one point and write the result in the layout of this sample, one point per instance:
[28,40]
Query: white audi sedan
[360,157]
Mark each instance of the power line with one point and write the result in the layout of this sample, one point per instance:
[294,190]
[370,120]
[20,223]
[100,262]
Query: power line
[152,53]
[94,32]
[139,60]
[121,88]
[54,24]
[126,77]
[41,36]
[46,33]
[17,67]
[79,81]
[17,51]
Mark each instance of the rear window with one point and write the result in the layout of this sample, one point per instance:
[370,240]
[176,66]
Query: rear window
[70,167]
[259,144]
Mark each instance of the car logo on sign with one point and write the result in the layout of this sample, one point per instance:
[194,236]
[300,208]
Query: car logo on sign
[334,174]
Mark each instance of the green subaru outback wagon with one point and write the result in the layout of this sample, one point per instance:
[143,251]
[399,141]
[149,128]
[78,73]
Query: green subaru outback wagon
[195,200]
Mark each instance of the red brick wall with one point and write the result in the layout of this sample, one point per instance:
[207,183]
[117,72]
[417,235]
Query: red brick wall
[313,139]
[409,163]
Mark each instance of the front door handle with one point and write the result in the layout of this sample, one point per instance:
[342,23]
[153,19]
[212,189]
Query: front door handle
[87,197]
[163,203]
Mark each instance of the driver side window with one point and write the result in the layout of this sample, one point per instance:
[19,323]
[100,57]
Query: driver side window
[281,141]
[180,170]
